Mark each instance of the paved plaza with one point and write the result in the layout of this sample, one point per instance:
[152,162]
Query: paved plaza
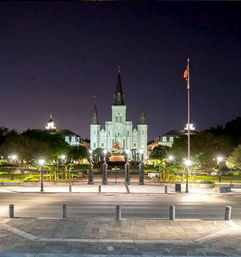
[90,228]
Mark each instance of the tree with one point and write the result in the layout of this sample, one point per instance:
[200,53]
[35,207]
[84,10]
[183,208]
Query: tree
[159,152]
[55,142]
[27,149]
[234,160]
[205,146]
[76,153]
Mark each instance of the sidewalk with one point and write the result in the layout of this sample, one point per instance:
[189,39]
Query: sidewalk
[130,237]
[119,188]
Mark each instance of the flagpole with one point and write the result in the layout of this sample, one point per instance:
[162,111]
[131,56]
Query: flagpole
[188,123]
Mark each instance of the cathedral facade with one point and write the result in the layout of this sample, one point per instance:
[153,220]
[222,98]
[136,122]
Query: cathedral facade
[119,133]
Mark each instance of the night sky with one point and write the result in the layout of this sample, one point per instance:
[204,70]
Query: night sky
[54,57]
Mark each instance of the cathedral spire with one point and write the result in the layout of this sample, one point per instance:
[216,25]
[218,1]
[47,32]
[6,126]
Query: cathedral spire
[95,116]
[142,116]
[119,95]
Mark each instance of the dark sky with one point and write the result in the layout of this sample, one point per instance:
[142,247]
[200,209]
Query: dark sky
[54,57]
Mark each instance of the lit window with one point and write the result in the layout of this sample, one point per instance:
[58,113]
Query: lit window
[73,139]
[170,139]
[164,139]
[66,139]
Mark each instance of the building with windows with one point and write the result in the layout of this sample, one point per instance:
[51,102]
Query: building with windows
[119,133]
[70,137]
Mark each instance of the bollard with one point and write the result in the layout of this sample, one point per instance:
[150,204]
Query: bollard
[127,189]
[118,212]
[165,189]
[11,211]
[70,188]
[64,211]
[172,212]
[227,213]
[99,188]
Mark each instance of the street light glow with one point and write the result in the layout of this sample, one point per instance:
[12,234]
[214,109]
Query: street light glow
[14,157]
[62,157]
[41,162]
[188,163]
[170,158]
[105,151]
[219,158]
[90,151]
[127,151]
[141,151]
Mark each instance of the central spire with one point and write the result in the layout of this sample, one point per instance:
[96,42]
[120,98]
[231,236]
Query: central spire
[119,95]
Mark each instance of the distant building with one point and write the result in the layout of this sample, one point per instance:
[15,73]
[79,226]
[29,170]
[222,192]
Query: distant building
[50,125]
[70,137]
[119,132]
[168,138]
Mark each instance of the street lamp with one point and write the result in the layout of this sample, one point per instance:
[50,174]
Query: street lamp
[62,157]
[127,168]
[90,179]
[187,163]
[219,159]
[41,163]
[141,168]
[13,157]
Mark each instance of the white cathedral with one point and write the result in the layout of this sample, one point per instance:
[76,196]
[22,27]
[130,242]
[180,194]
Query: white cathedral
[119,133]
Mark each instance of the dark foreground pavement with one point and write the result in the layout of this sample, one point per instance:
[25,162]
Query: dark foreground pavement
[80,237]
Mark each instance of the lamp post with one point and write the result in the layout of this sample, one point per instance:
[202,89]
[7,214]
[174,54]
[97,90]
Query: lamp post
[63,160]
[127,168]
[41,163]
[104,169]
[187,163]
[90,178]
[219,159]
[13,157]
[141,168]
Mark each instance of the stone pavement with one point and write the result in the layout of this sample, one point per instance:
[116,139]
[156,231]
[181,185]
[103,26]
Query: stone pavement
[125,237]
[118,188]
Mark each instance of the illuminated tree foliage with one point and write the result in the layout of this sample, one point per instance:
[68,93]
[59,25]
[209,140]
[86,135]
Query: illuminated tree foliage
[234,160]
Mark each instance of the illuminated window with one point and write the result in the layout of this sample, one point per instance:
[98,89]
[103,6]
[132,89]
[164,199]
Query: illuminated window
[164,139]
[170,139]
[66,139]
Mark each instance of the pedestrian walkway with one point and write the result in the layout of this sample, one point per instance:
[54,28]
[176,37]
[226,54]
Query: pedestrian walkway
[126,237]
[111,188]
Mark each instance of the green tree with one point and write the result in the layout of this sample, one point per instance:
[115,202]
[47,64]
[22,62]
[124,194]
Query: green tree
[55,142]
[234,160]
[205,146]
[27,149]
[76,153]
[159,152]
